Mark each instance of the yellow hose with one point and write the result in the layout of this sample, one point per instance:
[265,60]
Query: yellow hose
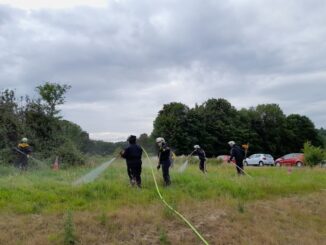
[170,207]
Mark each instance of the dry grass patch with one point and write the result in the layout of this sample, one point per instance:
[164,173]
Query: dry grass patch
[291,220]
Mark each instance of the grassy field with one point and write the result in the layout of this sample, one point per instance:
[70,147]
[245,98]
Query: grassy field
[227,209]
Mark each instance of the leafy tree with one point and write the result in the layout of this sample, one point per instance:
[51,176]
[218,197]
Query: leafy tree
[195,129]
[171,124]
[268,122]
[322,136]
[247,131]
[299,129]
[9,123]
[53,94]
[219,119]
[75,133]
[39,127]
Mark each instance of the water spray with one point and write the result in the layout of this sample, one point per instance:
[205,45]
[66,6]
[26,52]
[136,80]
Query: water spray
[185,164]
[92,175]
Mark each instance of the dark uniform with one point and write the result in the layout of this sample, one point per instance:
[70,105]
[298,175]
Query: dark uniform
[24,150]
[238,154]
[133,154]
[202,158]
[165,160]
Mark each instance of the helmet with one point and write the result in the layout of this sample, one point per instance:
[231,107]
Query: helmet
[231,143]
[196,147]
[24,140]
[160,140]
[132,139]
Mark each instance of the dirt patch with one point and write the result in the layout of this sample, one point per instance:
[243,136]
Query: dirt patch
[292,220]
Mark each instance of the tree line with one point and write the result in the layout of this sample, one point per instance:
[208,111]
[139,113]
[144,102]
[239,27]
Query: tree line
[211,125]
[215,122]
[39,120]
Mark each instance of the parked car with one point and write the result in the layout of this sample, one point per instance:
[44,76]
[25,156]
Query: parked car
[225,158]
[259,159]
[292,159]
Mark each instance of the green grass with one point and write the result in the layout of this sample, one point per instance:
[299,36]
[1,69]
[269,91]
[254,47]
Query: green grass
[47,191]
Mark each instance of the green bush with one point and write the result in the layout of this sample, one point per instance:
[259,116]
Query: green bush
[313,155]
[69,155]
[7,156]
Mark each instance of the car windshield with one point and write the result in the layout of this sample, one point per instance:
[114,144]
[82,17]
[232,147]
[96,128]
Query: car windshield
[287,156]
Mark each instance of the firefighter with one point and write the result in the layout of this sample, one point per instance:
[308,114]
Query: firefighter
[133,154]
[238,154]
[202,158]
[164,156]
[24,151]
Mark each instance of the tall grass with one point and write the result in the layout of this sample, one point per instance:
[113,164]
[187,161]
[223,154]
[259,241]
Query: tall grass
[47,191]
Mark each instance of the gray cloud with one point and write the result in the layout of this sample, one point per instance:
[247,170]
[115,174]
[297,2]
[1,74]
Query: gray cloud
[124,61]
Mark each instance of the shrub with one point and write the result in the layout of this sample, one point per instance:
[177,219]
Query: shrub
[313,155]
[70,155]
[7,156]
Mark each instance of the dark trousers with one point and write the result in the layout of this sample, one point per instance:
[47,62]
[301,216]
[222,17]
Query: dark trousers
[239,167]
[22,162]
[202,166]
[134,172]
[165,172]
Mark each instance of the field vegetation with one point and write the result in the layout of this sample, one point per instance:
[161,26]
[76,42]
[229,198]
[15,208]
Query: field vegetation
[115,213]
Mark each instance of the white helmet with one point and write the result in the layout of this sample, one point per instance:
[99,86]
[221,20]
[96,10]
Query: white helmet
[160,140]
[231,143]
[196,147]
[24,140]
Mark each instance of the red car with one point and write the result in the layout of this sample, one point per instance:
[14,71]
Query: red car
[293,159]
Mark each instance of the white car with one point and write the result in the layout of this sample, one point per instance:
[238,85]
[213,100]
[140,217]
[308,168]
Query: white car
[259,160]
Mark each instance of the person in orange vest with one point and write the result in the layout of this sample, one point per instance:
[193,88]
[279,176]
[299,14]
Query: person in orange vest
[24,151]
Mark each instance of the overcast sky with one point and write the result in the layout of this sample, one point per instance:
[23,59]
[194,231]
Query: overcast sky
[126,58]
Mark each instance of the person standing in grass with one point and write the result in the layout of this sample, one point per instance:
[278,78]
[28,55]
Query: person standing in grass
[133,154]
[238,154]
[202,158]
[24,150]
[164,156]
